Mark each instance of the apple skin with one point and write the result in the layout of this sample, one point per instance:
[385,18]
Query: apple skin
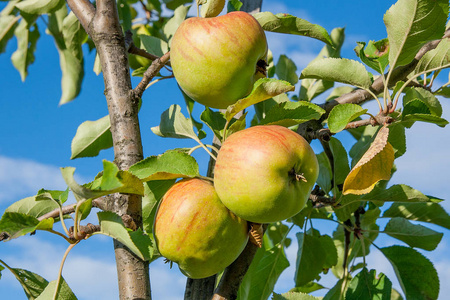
[194,229]
[215,60]
[255,173]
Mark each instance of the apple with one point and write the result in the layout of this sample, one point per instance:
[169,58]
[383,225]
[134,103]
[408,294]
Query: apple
[194,229]
[217,60]
[265,173]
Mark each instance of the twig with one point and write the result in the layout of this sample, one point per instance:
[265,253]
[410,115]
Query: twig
[359,96]
[151,72]
[148,12]
[66,210]
[58,282]
[318,198]
[133,49]
[99,203]
[380,119]
[84,231]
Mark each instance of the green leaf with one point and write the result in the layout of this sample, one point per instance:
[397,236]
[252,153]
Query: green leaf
[33,284]
[425,118]
[429,212]
[335,293]
[286,70]
[19,224]
[314,254]
[190,107]
[174,4]
[277,232]
[325,173]
[138,242]
[234,5]
[340,70]
[421,105]
[111,181]
[114,180]
[412,23]
[178,17]
[169,165]
[308,288]
[343,114]
[395,295]
[30,206]
[311,88]
[285,23]
[397,138]
[375,55]
[340,160]
[396,193]
[261,108]
[416,236]
[40,7]
[69,36]
[124,10]
[175,125]
[266,268]
[292,113]
[214,120]
[59,197]
[212,8]
[65,293]
[91,137]
[426,97]
[154,45]
[237,124]
[27,35]
[8,23]
[367,285]
[435,59]
[293,296]
[339,91]
[263,89]
[406,263]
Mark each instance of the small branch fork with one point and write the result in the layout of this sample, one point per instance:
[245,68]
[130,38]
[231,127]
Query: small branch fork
[151,72]
[314,130]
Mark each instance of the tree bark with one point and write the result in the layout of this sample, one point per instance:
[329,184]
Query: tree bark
[251,6]
[102,25]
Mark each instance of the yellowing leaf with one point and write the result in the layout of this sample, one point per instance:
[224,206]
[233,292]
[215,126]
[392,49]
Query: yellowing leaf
[374,165]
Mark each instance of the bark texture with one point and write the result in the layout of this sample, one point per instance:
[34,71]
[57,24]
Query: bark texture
[102,25]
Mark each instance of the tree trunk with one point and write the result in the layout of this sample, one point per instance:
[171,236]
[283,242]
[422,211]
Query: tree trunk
[102,24]
[251,6]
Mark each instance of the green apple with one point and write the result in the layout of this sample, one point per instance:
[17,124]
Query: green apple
[194,229]
[265,173]
[217,60]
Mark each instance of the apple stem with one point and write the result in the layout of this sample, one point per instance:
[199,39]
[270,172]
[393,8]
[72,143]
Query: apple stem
[297,176]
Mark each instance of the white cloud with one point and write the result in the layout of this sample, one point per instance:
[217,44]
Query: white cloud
[89,276]
[22,178]
[425,165]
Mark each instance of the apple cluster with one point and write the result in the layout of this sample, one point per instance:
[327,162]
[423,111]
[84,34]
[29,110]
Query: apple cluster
[262,174]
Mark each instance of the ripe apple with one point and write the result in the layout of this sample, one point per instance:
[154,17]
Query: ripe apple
[217,60]
[195,230]
[265,173]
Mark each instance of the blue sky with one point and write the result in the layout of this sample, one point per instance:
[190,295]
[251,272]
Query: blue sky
[36,136]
